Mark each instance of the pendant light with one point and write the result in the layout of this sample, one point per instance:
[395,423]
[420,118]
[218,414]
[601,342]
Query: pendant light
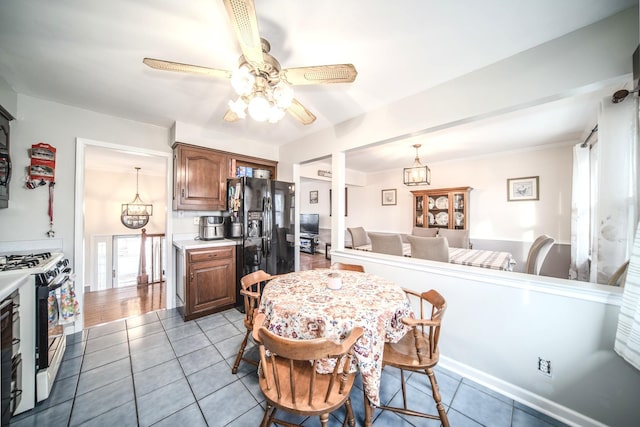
[136,213]
[418,174]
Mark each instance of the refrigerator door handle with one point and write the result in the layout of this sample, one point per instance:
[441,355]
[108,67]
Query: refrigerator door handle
[266,225]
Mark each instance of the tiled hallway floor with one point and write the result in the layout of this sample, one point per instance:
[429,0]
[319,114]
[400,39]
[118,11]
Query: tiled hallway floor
[155,369]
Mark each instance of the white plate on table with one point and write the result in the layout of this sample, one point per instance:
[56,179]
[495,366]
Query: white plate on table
[442,202]
[442,218]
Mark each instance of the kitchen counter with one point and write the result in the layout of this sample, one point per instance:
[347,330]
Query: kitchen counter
[184,245]
[9,282]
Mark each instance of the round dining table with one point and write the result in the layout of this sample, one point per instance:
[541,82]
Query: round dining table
[301,305]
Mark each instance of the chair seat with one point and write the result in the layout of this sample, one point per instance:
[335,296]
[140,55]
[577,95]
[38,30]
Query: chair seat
[403,354]
[303,374]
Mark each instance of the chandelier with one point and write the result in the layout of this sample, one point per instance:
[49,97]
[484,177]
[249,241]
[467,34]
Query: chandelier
[260,91]
[418,174]
[136,213]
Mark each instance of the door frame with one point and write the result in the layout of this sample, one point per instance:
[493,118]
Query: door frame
[79,238]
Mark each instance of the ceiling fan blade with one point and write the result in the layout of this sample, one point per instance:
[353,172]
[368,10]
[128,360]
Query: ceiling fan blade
[339,73]
[300,113]
[230,116]
[242,14]
[186,68]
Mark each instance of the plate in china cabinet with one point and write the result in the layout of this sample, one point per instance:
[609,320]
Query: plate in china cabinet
[442,202]
[442,218]
[431,219]
[431,203]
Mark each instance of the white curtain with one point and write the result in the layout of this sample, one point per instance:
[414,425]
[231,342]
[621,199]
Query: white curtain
[627,342]
[580,214]
[615,215]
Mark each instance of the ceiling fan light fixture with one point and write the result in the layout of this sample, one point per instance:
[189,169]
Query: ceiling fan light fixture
[239,107]
[282,95]
[275,114]
[243,81]
[417,174]
[259,107]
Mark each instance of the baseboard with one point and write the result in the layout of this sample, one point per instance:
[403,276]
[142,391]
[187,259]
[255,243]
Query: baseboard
[532,400]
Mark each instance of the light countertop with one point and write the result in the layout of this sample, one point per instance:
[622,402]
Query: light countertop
[195,244]
[9,282]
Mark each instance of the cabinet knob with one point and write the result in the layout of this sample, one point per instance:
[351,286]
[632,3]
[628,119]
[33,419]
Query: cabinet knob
[191,276]
[182,192]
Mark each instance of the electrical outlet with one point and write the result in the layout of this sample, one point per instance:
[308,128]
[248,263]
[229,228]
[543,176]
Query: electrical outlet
[196,220]
[544,366]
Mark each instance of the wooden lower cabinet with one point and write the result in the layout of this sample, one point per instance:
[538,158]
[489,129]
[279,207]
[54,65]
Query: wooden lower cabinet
[210,281]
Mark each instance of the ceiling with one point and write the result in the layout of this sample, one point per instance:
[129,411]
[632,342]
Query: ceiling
[89,54]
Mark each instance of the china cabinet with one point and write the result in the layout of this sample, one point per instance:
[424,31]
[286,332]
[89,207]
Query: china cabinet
[441,208]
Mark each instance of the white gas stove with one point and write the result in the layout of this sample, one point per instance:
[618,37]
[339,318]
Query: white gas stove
[35,361]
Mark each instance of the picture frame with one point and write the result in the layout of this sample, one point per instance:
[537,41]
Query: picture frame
[345,202]
[313,196]
[521,189]
[389,197]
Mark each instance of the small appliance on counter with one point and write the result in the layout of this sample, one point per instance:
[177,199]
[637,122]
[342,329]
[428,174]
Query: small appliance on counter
[211,227]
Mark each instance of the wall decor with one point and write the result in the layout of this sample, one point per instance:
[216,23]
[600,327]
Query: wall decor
[389,197]
[313,196]
[525,188]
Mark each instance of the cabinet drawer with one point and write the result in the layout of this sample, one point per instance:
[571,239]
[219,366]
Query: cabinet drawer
[211,254]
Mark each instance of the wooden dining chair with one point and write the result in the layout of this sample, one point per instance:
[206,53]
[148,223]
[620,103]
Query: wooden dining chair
[289,380]
[344,266]
[537,253]
[431,248]
[418,351]
[250,290]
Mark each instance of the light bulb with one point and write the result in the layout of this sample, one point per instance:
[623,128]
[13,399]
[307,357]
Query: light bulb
[259,107]
[239,107]
[242,81]
[282,95]
[275,114]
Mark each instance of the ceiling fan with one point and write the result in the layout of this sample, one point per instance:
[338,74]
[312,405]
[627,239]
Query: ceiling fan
[263,87]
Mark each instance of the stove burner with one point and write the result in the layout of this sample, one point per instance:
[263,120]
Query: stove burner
[20,262]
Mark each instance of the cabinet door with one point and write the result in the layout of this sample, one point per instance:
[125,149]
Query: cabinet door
[211,283]
[200,179]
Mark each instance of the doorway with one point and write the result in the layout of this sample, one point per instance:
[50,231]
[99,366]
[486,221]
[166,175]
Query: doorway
[108,254]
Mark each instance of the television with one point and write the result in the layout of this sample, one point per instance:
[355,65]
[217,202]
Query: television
[309,223]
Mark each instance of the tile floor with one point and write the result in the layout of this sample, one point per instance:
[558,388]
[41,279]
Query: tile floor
[155,369]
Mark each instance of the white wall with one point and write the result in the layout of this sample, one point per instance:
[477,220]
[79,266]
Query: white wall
[498,323]
[59,125]
[491,216]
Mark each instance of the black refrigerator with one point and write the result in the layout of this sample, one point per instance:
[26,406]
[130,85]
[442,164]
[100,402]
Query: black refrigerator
[265,208]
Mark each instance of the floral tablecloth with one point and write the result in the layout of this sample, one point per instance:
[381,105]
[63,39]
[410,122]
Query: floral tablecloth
[300,305]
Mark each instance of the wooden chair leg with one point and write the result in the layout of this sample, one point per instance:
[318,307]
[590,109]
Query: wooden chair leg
[234,370]
[324,420]
[437,398]
[348,417]
[368,411]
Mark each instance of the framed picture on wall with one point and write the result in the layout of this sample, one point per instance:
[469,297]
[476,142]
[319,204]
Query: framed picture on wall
[522,189]
[389,197]
[313,196]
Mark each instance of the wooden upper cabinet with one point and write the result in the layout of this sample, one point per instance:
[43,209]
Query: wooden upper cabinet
[441,208]
[200,178]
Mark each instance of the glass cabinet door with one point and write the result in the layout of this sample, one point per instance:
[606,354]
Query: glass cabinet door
[458,220]
[419,211]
